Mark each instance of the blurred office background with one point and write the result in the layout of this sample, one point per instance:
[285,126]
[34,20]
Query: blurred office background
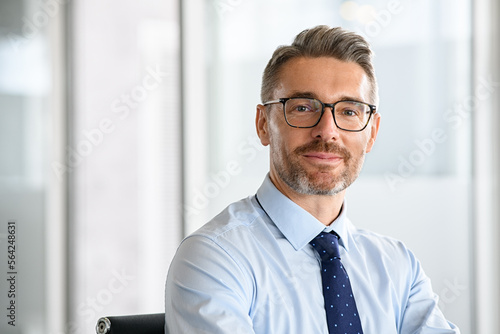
[125,125]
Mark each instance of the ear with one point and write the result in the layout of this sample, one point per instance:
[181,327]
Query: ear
[374,131]
[261,124]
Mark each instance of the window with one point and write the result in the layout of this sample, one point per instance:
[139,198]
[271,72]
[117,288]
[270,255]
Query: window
[416,184]
[31,139]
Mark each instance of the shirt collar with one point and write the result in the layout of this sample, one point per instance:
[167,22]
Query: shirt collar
[297,225]
[340,226]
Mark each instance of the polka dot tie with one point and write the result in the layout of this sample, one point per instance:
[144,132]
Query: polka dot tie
[341,312]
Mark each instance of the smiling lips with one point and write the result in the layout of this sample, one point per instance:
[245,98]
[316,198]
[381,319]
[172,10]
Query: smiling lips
[323,157]
[326,153]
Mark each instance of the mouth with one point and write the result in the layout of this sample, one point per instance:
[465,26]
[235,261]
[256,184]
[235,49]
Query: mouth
[325,154]
[323,158]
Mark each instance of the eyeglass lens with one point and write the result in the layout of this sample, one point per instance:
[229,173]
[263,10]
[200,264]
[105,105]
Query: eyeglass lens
[349,115]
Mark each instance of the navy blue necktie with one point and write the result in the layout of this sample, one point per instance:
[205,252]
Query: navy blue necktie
[341,312]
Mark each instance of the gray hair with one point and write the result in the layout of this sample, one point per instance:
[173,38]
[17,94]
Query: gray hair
[321,41]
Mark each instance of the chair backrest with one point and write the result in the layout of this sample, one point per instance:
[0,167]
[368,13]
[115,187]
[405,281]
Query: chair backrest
[132,324]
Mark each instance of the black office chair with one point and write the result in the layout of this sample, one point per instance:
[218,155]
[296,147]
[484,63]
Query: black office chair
[132,324]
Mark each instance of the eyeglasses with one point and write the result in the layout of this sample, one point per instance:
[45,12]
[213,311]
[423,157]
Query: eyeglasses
[303,112]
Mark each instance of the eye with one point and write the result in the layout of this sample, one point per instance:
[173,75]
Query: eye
[303,108]
[350,112]
[349,109]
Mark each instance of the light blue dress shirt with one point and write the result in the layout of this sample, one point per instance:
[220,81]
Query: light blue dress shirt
[251,270]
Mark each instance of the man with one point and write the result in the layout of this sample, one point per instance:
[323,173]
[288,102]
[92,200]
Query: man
[262,266]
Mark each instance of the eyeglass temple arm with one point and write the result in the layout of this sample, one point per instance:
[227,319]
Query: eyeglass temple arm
[282,100]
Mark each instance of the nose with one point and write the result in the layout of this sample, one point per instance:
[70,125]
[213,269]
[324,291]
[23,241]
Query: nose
[326,129]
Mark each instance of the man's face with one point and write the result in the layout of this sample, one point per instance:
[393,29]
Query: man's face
[322,160]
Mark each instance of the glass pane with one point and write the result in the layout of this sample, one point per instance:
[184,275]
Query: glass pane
[25,87]
[416,182]
[126,223]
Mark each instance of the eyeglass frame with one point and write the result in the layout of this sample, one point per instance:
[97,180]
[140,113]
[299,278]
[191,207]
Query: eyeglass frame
[283,100]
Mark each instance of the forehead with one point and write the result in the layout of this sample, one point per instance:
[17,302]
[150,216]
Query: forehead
[325,77]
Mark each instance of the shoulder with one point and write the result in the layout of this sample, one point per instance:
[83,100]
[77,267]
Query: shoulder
[391,260]
[238,217]
[227,245]
[236,231]
[374,239]
[383,248]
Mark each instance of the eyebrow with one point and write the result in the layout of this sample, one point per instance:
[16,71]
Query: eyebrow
[312,95]
[303,94]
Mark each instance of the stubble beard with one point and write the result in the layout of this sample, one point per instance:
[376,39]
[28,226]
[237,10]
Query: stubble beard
[321,181]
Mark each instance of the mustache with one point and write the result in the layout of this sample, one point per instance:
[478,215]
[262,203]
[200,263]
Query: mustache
[322,146]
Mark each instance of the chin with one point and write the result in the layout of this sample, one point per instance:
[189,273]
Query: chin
[319,185]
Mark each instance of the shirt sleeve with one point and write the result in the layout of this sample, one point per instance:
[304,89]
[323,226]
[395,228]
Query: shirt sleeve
[207,291]
[422,314]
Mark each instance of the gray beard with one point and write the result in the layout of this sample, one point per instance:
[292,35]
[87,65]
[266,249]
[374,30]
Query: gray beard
[299,180]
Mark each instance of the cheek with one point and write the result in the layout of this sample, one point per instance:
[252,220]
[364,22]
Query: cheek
[278,144]
[277,134]
[358,146]
[285,141]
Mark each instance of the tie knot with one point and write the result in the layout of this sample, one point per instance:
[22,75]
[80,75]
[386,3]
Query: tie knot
[327,246]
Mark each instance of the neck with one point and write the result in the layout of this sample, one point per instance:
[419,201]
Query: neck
[325,208]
